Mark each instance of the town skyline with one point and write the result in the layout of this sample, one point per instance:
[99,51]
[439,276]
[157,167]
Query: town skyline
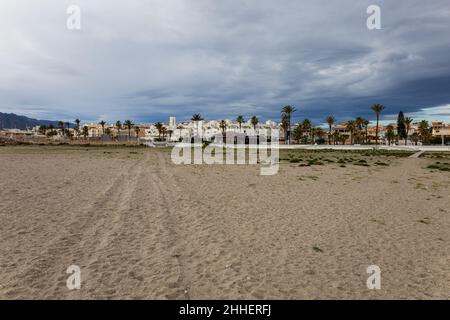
[354,131]
[297,117]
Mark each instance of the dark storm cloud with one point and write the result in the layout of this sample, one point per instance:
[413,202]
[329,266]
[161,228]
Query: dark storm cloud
[147,60]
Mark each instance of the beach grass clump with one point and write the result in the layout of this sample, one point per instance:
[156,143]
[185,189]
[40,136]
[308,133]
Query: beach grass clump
[315,162]
[436,155]
[389,153]
[304,165]
[440,166]
[340,156]
[362,164]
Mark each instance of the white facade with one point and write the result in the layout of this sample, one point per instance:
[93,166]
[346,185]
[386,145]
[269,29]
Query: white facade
[172,122]
[206,129]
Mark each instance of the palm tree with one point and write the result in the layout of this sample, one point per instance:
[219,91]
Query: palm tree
[415,138]
[307,126]
[137,130]
[61,126]
[254,121]
[424,131]
[180,127]
[159,126]
[351,126]
[67,126]
[223,126]
[51,128]
[118,126]
[390,134]
[377,109]
[285,126]
[288,111]
[108,131]
[343,139]
[196,117]
[359,123]
[331,121]
[43,129]
[312,134]
[366,126]
[85,131]
[298,133]
[128,124]
[77,128]
[319,133]
[240,120]
[408,122]
[336,137]
[102,123]
[170,132]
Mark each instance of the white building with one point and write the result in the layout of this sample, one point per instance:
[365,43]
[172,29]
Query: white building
[172,122]
[205,129]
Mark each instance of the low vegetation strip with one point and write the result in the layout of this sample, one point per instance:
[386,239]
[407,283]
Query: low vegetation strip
[440,166]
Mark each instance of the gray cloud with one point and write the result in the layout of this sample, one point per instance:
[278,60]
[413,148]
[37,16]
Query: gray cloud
[146,60]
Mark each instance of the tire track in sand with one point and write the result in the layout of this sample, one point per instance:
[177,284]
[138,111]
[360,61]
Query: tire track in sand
[44,277]
[164,184]
[202,244]
[138,260]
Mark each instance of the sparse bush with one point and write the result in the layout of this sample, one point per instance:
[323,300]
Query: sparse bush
[362,164]
[439,166]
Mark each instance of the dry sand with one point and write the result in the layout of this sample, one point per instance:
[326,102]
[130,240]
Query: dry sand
[140,227]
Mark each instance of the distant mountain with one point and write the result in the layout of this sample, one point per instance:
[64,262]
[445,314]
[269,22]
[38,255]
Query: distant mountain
[14,121]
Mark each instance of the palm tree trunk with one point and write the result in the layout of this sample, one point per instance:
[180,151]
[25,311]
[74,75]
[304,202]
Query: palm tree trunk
[329,136]
[376,131]
[289,129]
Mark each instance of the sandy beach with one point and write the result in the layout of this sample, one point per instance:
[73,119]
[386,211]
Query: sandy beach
[141,227]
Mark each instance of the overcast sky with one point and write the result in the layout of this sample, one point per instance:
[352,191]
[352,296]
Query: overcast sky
[147,59]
